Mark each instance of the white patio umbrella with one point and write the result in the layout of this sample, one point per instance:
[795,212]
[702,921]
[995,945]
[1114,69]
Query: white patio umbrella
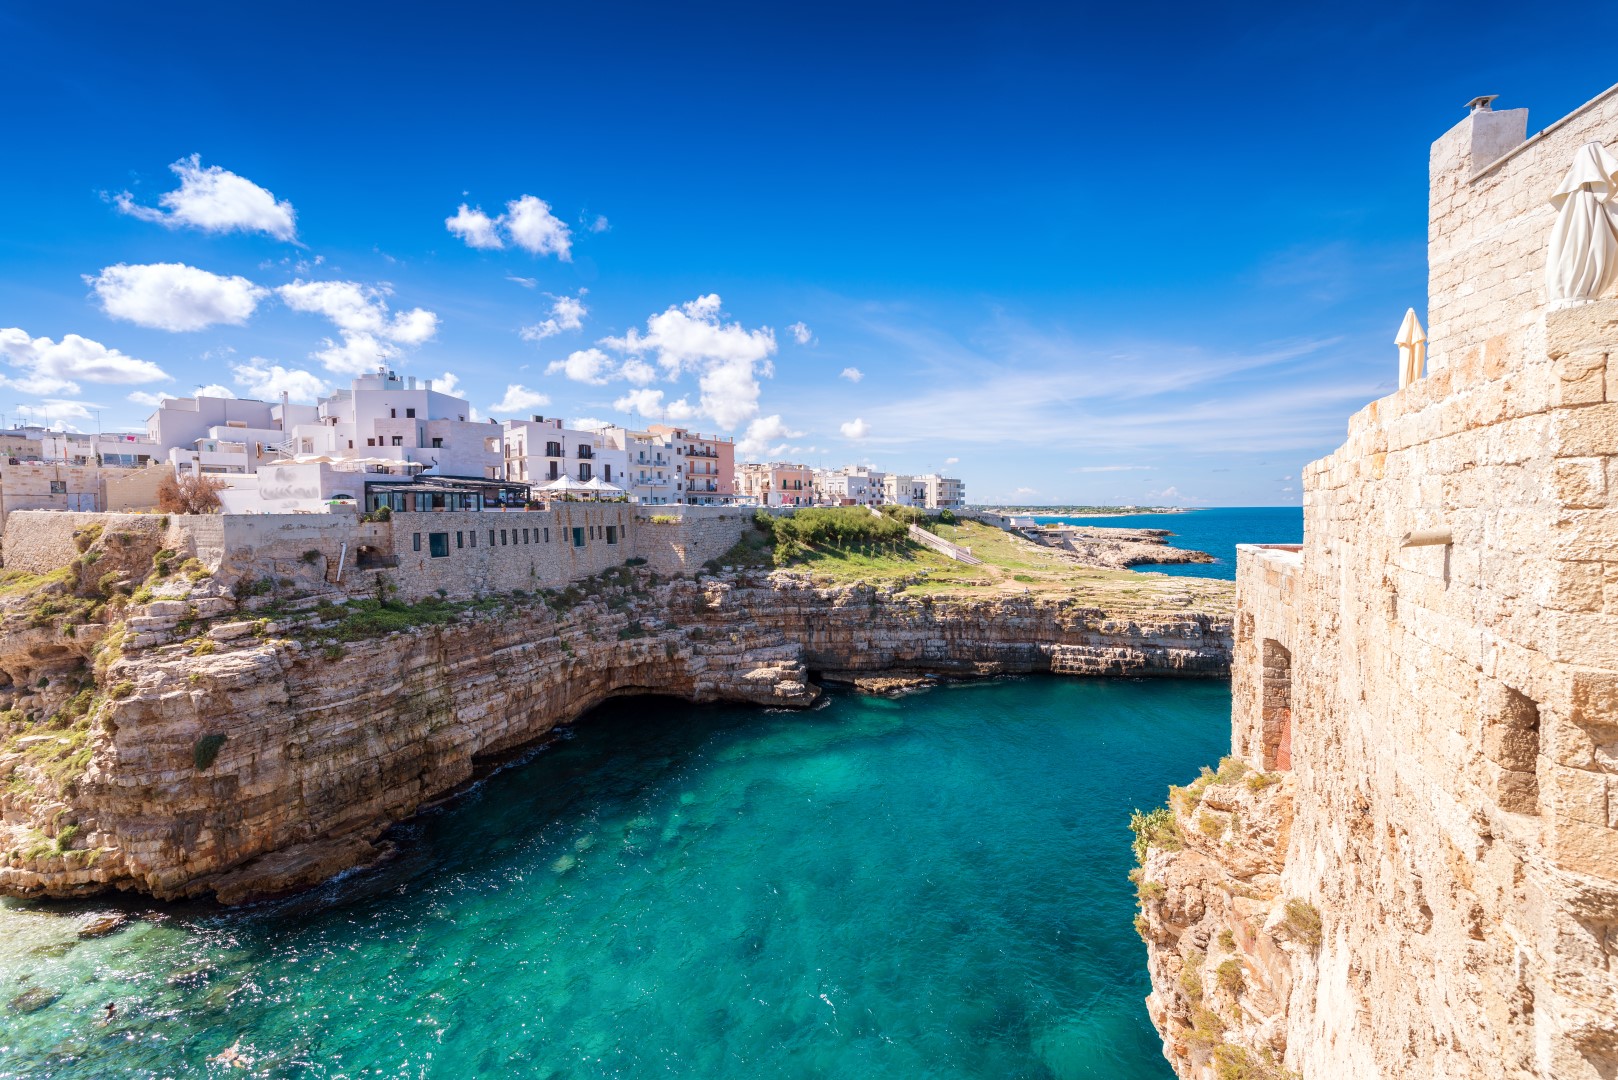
[1583,257]
[600,487]
[564,485]
[1412,344]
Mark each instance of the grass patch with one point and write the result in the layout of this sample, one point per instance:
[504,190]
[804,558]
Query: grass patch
[1303,922]
[1155,829]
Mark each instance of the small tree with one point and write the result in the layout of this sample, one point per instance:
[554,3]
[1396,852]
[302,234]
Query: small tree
[189,494]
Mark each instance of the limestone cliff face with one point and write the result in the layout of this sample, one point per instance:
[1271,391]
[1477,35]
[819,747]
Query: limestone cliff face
[238,758]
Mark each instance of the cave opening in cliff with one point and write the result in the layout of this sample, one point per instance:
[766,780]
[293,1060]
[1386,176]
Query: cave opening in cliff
[1277,705]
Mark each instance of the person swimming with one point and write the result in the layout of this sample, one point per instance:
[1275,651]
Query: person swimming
[112,1011]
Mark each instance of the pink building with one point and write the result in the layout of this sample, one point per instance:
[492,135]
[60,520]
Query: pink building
[705,466]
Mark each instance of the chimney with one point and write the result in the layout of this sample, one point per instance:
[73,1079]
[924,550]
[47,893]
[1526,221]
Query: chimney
[1479,139]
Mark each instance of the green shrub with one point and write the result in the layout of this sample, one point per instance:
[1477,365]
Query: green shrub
[122,690]
[1260,781]
[64,837]
[1303,921]
[142,595]
[1230,976]
[311,556]
[1191,976]
[1227,941]
[206,749]
[1156,829]
[636,561]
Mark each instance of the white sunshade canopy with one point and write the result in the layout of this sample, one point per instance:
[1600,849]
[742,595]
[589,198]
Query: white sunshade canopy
[601,487]
[565,484]
[1582,262]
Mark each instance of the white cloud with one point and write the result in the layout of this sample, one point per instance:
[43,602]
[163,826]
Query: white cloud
[590,366]
[213,390]
[525,282]
[729,358]
[638,372]
[215,200]
[590,423]
[519,399]
[1026,491]
[801,333]
[762,433]
[55,410]
[447,383]
[174,296]
[1114,468]
[852,374]
[356,354]
[532,227]
[952,461]
[264,379]
[370,332]
[567,313]
[478,229]
[600,224]
[648,403]
[52,367]
[527,223]
[855,429]
[141,397]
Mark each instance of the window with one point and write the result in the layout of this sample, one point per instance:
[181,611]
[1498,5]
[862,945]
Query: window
[370,442]
[553,449]
[410,414]
[612,534]
[438,545]
[502,538]
[415,541]
[474,537]
[58,487]
[491,538]
[525,536]
[578,536]
[606,472]
[547,536]
[398,440]
[459,538]
[438,443]
[393,413]
[584,470]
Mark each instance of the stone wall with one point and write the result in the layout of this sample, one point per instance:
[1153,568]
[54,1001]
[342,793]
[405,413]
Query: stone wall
[1490,222]
[39,541]
[499,552]
[678,539]
[1428,883]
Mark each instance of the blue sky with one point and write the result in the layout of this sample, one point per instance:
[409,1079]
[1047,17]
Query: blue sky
[1072,253]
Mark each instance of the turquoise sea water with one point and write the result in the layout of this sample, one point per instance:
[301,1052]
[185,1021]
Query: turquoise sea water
[1216,531]
[933,886]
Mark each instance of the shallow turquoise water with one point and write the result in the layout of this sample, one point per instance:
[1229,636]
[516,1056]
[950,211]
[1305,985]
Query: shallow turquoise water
[1216,530]
[933,886]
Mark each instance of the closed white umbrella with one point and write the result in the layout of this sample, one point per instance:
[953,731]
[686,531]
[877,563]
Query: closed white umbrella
[1412,344]
[1583,258]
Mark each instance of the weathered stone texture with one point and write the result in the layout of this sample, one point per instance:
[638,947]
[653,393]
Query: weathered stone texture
[1450,708]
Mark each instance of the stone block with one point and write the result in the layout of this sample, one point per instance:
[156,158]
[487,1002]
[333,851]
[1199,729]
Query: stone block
[1581,379]
[1581,328]
[1579,482]
[1587,432]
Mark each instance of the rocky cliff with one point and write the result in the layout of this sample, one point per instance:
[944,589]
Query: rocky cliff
[168,735]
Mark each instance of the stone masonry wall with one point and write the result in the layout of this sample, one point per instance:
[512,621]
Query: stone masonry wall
[1490,222]
[1424,880]
[697,534]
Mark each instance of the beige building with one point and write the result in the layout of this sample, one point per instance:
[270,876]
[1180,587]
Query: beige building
[775,483]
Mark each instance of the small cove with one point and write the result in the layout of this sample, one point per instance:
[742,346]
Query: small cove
[928,886]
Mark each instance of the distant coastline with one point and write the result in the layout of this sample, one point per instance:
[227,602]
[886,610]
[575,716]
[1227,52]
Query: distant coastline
[1088,511]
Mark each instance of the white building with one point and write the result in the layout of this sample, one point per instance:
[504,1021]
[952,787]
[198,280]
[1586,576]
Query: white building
[652,471]
[385,416]
[943,492]
[539,450]
[852,485]
[222,436]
